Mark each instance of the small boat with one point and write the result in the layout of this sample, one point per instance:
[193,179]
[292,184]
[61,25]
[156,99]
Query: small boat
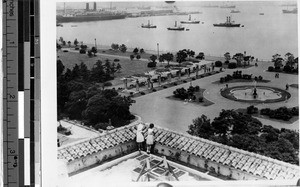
[176,28]
[149,26]
[235,11]
[73,25]
[228,23]
[190,21]
[261,14]
[59,25]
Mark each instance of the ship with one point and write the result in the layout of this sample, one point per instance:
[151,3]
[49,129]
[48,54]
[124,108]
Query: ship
[148,26]
[227,6]
[262,14]
[190,21]
[176,28]
[228,23]
[89,15]
[235,11]
[294,11]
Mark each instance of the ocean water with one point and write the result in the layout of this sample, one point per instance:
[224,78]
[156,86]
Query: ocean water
[262,35]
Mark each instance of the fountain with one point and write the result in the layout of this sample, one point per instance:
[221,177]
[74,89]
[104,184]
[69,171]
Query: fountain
[255,94]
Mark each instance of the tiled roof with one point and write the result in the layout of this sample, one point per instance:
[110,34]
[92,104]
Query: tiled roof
[245,161]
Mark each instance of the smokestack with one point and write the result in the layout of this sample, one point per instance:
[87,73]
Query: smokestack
[95,6]
[87,8]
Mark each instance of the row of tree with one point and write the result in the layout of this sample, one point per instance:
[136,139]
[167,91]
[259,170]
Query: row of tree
[291,63]
[122,47]
[81,95]
[241,59]
[247,133]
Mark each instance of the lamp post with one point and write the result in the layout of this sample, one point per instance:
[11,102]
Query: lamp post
[158,50]
[95,43]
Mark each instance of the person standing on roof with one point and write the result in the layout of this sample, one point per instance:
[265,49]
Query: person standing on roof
[139,136]
[150,138]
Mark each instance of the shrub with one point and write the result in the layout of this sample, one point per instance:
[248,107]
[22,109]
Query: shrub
[255,78]
[165,86]
[107,84]
[226,62]
[232,65]
[218,64]
[184,81]
[151,65]
[175,84]
[193,78]
[77,48]
[200,99]
[116,60]
[287,69]
[260,78]
[197,88]
[252,110]
[65,51]
[131,57]
[142,93]
[138,56]
[82,51]
[154,90]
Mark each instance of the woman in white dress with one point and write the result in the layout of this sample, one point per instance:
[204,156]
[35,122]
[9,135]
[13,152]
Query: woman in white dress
[139,136]
[150,138]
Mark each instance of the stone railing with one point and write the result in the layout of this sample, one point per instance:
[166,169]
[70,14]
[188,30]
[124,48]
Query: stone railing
[225,160]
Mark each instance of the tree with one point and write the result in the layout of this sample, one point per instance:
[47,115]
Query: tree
[153,58]
[168,57]
[98,72]
[239,58]
[277,61]
[113,69]
[69,43]
[138,57]
[160,58]
[227,56]
[190,53]
[290,59]
[59,68]
[181,56]
[119,67]
[201,127]
[115,46]
[61,39]
[200,56]
[58,47]
[84,47]
[123,48]
[142,50]
[84,73]
[136,50]
[76,42]
[94,50]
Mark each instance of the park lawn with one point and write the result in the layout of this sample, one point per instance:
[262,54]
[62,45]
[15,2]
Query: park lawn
[69,59]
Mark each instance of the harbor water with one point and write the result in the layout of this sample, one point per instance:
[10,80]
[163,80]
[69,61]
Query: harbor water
[262,35]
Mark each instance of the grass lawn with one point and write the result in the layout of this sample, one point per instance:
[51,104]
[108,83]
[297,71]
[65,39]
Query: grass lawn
[69,59]
[291,121]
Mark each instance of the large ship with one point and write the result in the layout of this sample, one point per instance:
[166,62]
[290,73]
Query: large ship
[89,15]
[149,25]
[228,23]
[227,6]
[294,11]
[190,21]
[176,28]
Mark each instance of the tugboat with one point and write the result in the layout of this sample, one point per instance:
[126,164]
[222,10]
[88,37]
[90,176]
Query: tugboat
[176,28]
[235,11]
[149,26]
[190,21]
[228,23]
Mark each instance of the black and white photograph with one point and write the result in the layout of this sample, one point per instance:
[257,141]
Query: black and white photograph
[177,93]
